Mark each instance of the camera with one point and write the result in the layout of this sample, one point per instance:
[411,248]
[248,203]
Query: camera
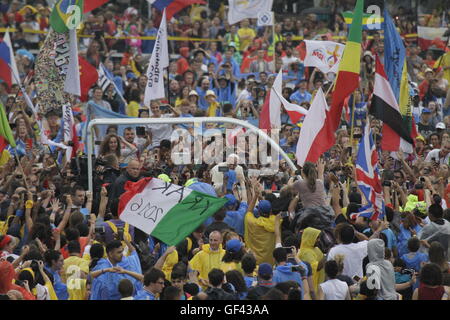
[297,269]
[387,183]
[284,214]
[100,229]
[120,233]
[140,131]
[288,250]
[411,272]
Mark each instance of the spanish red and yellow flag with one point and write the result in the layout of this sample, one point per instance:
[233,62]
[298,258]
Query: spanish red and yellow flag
[347,81]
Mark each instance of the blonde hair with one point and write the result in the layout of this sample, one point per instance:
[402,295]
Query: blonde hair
[339,258]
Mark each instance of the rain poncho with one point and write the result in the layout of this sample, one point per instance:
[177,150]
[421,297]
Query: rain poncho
[412,203]
[312,254]
[206,260]
[105,286]
[260,237]
[437,232]
[375,251]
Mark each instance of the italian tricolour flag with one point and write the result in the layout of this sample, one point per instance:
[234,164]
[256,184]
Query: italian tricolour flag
[164,210]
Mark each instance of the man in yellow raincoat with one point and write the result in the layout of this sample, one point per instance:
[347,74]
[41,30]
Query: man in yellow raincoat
[209,257]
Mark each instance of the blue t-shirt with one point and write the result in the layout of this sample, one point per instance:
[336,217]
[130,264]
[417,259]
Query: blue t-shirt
[414,259]
[235,219]
[298,97]
[144,295]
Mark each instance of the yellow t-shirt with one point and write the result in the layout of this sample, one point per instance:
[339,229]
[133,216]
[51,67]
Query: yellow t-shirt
[133,109]
[212,109]
[72,266]
[245,32]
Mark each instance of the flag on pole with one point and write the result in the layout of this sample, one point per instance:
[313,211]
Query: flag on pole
[310,132]
[6,60]
[384,107]
[294,111]
[105,80]
[164,210]
[239,10]
[367,174]
[70,132]
[394,54]
[66,15]
[266,19]
[270,116]
[6,135]
[13,64]
[324,55]
[174,6]
[369,22]
[347,81]
[72,83]
[405,104]
[51,68]
[88,77]
[158,61]
[90,5]
[428,37]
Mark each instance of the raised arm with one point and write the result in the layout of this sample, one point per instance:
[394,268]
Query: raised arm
[65,219]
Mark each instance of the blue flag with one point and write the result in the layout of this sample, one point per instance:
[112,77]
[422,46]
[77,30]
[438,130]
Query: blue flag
[394,54]
[93,111]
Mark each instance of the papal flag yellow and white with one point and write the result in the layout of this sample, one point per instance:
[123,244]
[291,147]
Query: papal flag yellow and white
[245,9]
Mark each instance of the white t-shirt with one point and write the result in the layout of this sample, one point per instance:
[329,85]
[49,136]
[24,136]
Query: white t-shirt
[435,154]
[354,253]
[334,289]
[160,131]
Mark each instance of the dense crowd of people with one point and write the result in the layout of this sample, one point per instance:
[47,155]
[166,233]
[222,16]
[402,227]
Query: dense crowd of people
[289,235]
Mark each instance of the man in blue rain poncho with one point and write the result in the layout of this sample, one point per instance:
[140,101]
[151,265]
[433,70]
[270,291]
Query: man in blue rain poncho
[109,271]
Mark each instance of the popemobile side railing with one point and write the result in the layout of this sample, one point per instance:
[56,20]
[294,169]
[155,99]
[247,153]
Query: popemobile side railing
[199,120]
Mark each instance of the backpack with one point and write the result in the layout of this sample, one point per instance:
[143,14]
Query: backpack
[326,240]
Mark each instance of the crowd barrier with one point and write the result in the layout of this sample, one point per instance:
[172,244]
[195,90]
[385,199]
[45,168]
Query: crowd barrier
[172,38]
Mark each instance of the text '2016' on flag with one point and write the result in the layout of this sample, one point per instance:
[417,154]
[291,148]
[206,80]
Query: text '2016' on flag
[164,210]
